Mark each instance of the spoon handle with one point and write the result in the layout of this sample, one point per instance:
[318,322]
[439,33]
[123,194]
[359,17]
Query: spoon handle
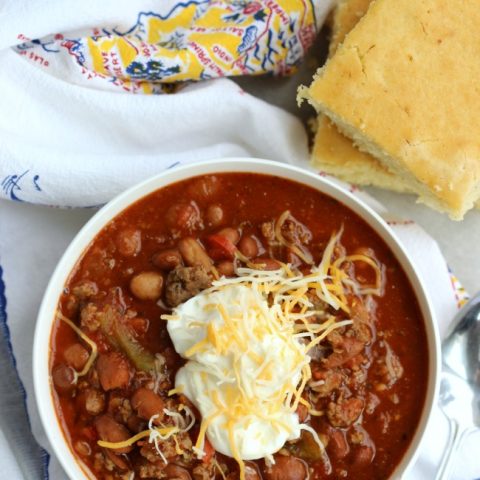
[455,439]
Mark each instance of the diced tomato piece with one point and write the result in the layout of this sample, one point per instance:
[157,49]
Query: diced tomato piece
[220,247]
[209,451]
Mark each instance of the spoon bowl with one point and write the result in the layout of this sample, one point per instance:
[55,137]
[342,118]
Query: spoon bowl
[461,347]
[460,382]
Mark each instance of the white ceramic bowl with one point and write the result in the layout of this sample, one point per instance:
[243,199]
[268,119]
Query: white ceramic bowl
[41,351]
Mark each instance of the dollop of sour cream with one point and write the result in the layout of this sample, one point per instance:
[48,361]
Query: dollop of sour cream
[243,370]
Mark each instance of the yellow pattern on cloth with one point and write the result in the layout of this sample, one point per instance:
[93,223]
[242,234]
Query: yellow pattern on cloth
[195,40]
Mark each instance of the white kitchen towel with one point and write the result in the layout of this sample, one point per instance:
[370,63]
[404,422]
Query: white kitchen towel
[71,142]
[73,134]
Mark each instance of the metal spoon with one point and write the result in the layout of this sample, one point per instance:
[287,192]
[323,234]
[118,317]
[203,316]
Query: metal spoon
[460,384]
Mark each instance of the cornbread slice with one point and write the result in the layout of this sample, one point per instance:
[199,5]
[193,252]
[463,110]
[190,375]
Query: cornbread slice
[405,86]
[333,152]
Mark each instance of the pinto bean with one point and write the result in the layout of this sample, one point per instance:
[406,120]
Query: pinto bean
[231,234]
[214,215]
[194,254]
[76,355]
[248,246]
[174,472]
[111,431]
[226,268]
[286,468]
[147,285]
[63,378]
[148,403]
[167,259]
[129,241]
[113,371]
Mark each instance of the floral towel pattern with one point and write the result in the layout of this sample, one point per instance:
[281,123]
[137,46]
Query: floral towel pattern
[194,40]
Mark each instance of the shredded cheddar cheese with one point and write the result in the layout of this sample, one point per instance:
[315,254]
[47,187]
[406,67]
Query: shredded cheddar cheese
[232,321]
[156,434]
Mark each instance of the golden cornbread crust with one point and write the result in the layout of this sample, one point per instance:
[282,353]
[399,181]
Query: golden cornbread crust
[405,85]
[333,152]
[346,16]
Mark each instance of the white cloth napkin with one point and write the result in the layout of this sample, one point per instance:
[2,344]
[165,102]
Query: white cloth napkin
[70,145]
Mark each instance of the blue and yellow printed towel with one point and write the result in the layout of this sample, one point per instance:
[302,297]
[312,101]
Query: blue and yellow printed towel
[190,40]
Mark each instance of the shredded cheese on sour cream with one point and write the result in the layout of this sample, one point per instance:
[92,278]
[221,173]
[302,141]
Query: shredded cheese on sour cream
[247,340]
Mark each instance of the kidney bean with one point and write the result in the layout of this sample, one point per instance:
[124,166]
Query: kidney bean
[147,285]
[248,246]
[286,468]
[113,370]
[63,378]
[363,456]
[111,431]
[214,215]
[76,355]
[167,259]
[194,254]
[338,446]
[230,233]
[226,269]
[148,403]
[129,242]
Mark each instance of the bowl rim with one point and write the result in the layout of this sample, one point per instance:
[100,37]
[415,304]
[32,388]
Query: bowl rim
[42,337]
